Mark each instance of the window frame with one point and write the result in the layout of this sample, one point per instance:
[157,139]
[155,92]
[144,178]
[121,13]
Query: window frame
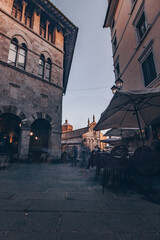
[41,66]
[24,48]
[141,23]
[13,42]
[141,13]
[143,57]
[48,63]
[150,69]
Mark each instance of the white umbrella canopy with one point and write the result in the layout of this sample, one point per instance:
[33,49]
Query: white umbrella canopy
[131,109]
[111,140]
[122,132]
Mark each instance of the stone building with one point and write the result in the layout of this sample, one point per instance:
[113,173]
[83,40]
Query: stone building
[86,136]
[36,44]
[135,38]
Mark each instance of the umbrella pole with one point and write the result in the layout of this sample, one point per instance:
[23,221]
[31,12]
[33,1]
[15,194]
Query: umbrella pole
[138,122]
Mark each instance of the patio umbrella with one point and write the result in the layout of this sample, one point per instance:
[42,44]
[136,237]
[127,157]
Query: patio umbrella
[131,109]
[121,132]
[111,140]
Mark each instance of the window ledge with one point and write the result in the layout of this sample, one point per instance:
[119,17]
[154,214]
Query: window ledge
[154,83]
[133,6]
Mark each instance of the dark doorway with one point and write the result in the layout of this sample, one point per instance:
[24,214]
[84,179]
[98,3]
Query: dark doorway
[39,138]
[10,130]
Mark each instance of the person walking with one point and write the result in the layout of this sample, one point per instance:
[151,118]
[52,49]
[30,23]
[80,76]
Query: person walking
[73,156]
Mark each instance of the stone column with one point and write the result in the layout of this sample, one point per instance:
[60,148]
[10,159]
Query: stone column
[36,20]
[54,146]
[58,39]
[47,26]
[24,144]
[23,11]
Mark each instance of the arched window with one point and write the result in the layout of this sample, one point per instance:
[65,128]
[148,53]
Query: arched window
[48,70]
[22,56]
[41,66]
[13,50]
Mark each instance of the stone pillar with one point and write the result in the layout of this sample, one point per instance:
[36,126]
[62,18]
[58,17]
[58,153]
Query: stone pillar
[47,26]
[23,11]
[36,21]
[24,144]
[58,39]
[54,147]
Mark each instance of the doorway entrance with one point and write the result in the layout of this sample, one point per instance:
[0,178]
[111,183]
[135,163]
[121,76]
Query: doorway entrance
[10,131]
[39,140]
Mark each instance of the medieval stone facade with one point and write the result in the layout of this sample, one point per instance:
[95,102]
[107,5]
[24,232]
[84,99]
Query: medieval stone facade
[36,49]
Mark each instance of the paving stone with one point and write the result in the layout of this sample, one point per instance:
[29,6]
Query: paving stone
[45,202]
[104,222]
[13,235]
[89,236]
[139,236]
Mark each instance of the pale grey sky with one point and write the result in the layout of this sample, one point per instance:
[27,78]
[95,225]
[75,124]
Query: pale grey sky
[92,65]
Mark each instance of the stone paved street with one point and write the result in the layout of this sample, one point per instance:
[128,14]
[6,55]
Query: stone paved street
[60,202]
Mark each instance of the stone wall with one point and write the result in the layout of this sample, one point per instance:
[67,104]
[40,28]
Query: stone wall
[23,89]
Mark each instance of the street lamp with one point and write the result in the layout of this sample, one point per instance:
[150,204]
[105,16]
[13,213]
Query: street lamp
[119,83]
[114,89]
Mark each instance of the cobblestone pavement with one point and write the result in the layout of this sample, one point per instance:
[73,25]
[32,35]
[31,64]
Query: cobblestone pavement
[60,202]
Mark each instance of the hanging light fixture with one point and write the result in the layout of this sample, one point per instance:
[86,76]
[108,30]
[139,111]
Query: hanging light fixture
[114,89]
[119,83]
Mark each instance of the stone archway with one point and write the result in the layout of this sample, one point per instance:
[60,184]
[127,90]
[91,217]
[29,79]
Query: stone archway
[16,111]
[39,137]
[42,115]
[12,121]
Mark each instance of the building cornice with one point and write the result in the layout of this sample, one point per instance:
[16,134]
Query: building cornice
[112,6]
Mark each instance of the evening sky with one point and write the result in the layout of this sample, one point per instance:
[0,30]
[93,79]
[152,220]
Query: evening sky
[91,76]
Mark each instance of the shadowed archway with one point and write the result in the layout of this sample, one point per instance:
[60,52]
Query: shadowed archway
[10,131]
[39,139]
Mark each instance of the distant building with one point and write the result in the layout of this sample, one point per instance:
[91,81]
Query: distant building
[87,137]
[135,38]
[36,44]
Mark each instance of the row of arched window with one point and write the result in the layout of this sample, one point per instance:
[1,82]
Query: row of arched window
[17,57]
